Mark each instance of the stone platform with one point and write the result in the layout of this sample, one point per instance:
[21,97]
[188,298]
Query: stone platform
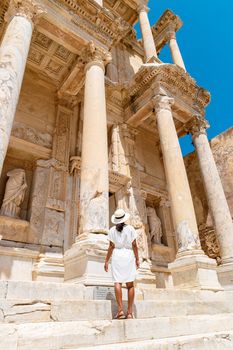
[55,316]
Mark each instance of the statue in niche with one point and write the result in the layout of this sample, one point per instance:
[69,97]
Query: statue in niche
[155,227]
[186,239]
[14,193]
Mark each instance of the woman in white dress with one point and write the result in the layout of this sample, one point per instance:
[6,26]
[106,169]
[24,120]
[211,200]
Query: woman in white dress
[124,252]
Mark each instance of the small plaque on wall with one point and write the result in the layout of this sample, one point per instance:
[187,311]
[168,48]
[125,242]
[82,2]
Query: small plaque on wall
[104,293]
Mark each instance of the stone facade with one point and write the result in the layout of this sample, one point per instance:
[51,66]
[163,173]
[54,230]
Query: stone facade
[90,121]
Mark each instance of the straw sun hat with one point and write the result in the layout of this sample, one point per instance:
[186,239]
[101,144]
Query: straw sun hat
[119,216]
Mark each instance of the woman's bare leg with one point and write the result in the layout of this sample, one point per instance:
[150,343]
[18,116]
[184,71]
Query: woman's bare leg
[118,293]
[130,287]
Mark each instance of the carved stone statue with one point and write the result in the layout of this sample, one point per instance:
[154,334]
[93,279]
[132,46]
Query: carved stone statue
[186,239]
[14,193]
[155,227]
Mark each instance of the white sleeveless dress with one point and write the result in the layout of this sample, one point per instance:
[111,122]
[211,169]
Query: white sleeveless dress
[123,260]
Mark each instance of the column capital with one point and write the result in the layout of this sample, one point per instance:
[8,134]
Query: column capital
[197,126]
[142,7]
[30,9]
[96,56]
[171,34]
[162,102]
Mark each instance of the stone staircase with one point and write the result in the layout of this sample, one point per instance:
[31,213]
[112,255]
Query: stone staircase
[54,316]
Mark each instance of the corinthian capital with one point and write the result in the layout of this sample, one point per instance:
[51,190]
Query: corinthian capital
[31,9]
[162,103]
[197,126]
[142,7]
[96,55]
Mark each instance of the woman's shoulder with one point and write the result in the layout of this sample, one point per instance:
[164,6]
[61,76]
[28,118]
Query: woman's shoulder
[130,228]
[112,229]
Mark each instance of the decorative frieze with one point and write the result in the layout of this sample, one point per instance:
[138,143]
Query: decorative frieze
[96,21]
[172,77]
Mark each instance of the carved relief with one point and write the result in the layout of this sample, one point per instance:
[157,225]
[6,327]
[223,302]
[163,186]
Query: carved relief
[61,142]
[57,190]
[28,133]
[209,242]
[53,233]
[14,193]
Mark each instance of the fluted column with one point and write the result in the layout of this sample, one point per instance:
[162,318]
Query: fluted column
[175,50]
[13,56]
[94,169]
[147,36]
[214,191]
[192,268]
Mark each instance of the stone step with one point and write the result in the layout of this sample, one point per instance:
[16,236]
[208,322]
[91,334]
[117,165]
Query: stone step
[151,309]
[74,335]
[186,294]
[56,310]
[44,291]
[22,311]
[27,311]
[41,290]
[207,341]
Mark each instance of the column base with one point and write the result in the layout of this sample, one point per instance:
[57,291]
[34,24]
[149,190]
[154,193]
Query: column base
[194,270]
[84,261]
[145,279]
[49,267]
[225,275]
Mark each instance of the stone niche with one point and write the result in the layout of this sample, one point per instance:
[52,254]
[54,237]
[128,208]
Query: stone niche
[160,232]
[15,186]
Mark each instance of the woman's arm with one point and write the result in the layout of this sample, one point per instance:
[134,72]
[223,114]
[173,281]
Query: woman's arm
[109,254]
[135,250]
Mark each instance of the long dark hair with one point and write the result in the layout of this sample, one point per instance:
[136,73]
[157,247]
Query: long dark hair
[120,226]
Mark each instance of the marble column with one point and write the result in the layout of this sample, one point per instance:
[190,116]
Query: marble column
[13,56]
[181,200]
[191,269]
[214,191]
[175,50]
[94,189]
[84,262]
[147,36]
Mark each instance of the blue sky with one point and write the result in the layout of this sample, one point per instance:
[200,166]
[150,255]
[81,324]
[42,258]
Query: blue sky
[206,43]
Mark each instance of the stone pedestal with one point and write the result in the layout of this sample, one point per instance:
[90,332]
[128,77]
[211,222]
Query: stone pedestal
[175,50]
[84,262]
[217,202]
[13,56]
[183,215]
[147,36]
[195,271]
[225,275]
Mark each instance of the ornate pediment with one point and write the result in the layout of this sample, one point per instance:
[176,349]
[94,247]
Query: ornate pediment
[169,21]
[166,79]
